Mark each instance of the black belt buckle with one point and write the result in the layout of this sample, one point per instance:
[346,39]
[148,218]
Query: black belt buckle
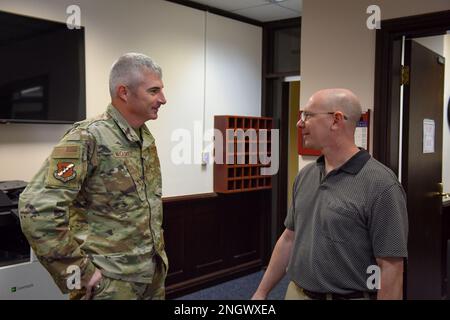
[348,296]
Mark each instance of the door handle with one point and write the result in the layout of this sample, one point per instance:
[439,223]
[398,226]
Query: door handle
[445,195]
[441,192]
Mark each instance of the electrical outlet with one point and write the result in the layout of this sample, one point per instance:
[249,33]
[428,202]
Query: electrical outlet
[205,158]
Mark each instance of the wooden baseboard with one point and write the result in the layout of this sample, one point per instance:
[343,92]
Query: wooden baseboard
[192,285]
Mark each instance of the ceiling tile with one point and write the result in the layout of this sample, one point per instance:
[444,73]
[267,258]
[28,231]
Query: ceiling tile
[232,5]
[269,12]
[292,4]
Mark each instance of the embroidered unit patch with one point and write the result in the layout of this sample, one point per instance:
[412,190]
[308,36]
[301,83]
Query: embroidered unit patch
[65,171]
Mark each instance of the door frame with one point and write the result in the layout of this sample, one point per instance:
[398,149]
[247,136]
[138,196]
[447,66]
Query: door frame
[275,222]
[386,106]
[387,81]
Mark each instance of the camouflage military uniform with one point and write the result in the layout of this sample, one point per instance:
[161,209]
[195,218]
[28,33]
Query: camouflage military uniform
[96,202]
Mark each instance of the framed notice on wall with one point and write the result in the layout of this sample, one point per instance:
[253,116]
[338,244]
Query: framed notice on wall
[361,136]
[362,131]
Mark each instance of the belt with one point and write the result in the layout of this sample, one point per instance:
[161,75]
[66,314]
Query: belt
[336,296]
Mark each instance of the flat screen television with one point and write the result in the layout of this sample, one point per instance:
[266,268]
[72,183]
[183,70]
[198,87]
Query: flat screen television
[42,71]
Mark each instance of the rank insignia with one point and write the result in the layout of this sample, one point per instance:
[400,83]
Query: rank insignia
[65,171]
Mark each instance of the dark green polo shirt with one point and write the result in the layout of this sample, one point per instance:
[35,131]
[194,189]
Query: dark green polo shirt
[343,221]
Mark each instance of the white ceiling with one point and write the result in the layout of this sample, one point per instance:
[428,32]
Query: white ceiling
[261,10]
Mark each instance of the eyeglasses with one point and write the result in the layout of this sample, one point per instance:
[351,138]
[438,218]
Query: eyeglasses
[306,115]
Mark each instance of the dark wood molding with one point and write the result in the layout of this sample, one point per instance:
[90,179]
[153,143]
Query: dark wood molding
[266,53]
[282,206]
[422,25]
[276,203]
[211,238]
[446,248]
[282,74]
[387,98]
[269,29]
[281,24]
[385,147]
[217,11]
[190,197]
[192,285]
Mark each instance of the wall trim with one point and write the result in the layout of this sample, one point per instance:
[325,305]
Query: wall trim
[278,205]
[384,149]
[192,285]
[217,11]
[189,197]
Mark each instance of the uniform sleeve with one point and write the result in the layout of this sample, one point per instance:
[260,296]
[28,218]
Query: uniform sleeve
[389,223]
[44,208]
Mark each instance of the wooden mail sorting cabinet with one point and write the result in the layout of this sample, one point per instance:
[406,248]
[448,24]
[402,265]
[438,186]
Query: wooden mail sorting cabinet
[242,150]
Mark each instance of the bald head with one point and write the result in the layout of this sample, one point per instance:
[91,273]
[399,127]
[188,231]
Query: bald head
[339,100]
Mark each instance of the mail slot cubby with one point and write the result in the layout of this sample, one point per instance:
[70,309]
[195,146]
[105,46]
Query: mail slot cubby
[230,174]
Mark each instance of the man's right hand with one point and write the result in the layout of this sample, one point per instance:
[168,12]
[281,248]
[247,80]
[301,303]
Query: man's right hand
[95,279]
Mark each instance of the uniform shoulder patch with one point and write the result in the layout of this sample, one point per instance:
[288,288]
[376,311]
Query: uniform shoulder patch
[68,151]
[65,171]
[73,136]
[66,166]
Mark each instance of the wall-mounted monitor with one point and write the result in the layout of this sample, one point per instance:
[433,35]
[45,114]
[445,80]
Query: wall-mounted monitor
[42,71]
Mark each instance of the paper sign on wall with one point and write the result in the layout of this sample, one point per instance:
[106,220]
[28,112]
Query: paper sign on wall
[361,136]
[428,135]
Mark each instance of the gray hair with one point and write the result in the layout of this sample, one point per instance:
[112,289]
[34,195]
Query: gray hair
[128,69]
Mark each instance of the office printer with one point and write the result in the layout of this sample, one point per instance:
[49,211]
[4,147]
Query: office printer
[14,247]
[22,277]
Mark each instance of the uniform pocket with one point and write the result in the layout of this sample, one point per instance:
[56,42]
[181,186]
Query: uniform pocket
[117,178]
[135,170]
[120,188]
[338,223]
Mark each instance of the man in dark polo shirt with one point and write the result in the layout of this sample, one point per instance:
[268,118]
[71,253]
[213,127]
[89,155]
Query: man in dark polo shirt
[347,226]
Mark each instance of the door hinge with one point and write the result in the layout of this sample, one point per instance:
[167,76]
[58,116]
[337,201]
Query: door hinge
[405,75]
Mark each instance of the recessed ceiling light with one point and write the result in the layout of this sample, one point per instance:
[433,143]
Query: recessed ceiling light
[275,1]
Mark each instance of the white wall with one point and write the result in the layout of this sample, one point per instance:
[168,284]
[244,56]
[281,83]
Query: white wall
[435,43]
[338,50]
[174,36]
[234,50]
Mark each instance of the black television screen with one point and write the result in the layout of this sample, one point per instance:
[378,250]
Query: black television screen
[42,71]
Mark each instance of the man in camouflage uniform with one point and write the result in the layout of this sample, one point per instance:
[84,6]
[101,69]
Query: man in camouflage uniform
[96,202]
